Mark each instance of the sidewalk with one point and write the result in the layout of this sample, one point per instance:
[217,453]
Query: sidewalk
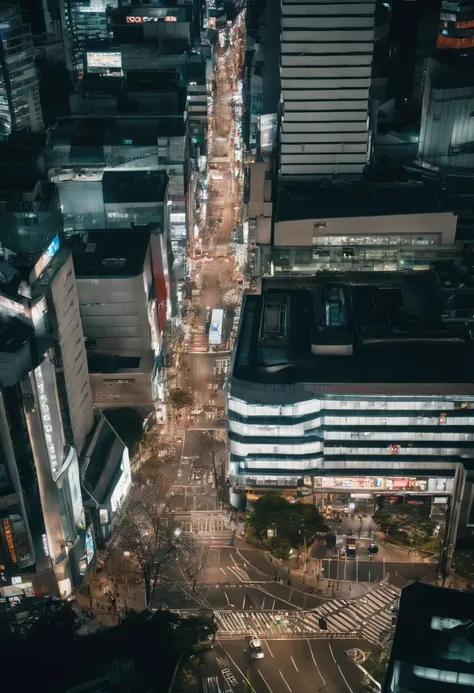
[108,599]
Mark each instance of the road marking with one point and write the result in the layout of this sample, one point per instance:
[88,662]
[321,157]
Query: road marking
[223,571]
[285,681]
[263,604]
[266,642]
[234,572]
[315,663]
[273,607]
[332,653]
[294,663]
[345,680]
[243,605]
[238,668]
[264,680]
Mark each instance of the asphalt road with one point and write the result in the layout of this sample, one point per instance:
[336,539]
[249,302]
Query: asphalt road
[288,666]
[374,571]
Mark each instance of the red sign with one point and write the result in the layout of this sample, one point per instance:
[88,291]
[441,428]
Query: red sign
[399,482]
[134,20]
[170,18]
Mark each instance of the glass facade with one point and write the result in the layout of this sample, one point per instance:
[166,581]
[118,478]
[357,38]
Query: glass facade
[365,253]
[385,435]
[20,106]
[85,19]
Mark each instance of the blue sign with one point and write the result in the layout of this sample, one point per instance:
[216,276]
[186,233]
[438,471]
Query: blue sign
[53,247]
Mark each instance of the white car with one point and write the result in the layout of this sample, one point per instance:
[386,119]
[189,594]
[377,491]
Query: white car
[255,649]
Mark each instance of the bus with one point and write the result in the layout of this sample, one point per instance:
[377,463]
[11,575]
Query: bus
[215,329]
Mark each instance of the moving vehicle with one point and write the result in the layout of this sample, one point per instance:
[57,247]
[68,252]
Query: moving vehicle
[351,547]
[255,649]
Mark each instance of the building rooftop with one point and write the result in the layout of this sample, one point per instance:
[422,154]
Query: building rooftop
[134,186]
[342,199]
[434,641]
[344,333]
[104,456]
[117,253]
[156,81]
[131,131]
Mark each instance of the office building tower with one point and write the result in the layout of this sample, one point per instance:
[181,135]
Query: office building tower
[83,21]
[447,127]
[41,416]
[326,61]
[20,107]
[456,30]
[355,385]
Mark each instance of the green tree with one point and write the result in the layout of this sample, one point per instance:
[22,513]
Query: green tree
[186,682]
[180,398]
[289,523]
[406,524]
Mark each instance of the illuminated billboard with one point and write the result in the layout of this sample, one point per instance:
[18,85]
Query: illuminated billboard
[215,330]
[104,61]
[159,16]
[124,483]
[268,131]
[45,259]
[50,416]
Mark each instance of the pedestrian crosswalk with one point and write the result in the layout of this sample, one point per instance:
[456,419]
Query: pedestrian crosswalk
[369,617]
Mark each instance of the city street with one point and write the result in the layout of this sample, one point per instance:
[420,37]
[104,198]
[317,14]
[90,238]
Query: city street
[293,666]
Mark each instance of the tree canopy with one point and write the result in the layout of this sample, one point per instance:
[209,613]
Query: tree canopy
[279,523]
[154,643]
[405,524]
[180,398]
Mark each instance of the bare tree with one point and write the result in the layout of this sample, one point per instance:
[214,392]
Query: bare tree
[148,540]
[213,457]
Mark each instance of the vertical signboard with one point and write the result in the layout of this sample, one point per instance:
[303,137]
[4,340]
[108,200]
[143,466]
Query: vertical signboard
[50,415]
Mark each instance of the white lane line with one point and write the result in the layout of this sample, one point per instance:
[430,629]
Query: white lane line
[266,642]
[294,663]
[223,571]
[345,680]
[234,572]
[238,668]
[243,606]
[264,680]
[332,653]
[315,663]
[285,681]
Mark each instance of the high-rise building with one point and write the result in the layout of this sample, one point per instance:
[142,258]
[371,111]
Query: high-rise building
[326,63]
[353,385]
[447,127]
[81,21]
[45,411]
[456,31]
[20,106]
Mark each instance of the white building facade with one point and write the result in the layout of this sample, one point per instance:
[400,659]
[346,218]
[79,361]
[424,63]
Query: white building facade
[325,70]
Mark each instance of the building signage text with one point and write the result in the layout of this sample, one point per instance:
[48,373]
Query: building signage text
[137,19]
[46,419]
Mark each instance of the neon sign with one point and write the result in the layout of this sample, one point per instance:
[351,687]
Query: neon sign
[46,419]
[7,528]
[137,19]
